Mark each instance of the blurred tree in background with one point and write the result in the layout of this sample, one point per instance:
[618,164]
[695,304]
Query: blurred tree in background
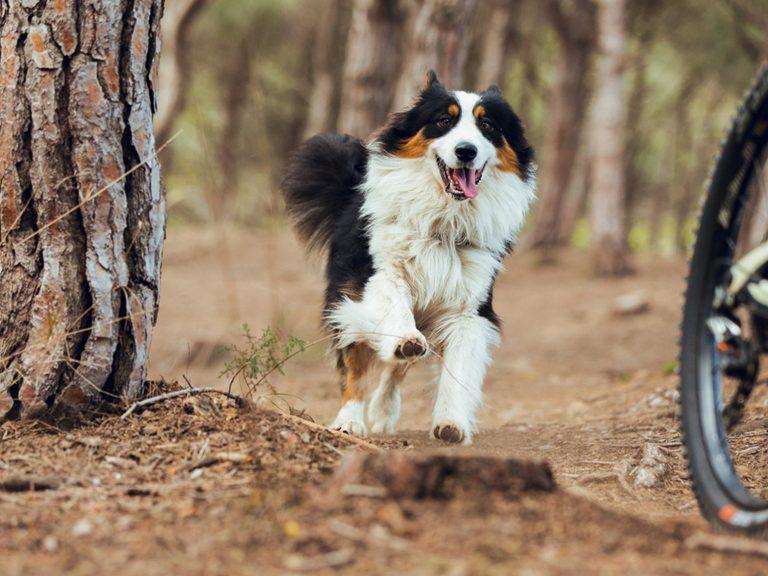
[263,74]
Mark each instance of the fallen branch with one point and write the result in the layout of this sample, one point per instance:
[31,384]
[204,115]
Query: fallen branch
[727,544]
[347,437]
[178,394]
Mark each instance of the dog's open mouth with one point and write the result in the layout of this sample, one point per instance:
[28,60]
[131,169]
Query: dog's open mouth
[461,183]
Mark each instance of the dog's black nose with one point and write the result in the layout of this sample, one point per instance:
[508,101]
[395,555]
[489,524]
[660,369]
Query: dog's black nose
[466,152]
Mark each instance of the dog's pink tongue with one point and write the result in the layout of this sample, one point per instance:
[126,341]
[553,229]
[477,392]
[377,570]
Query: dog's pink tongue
[465,178]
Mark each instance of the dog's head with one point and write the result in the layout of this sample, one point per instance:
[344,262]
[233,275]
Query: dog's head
[460,136]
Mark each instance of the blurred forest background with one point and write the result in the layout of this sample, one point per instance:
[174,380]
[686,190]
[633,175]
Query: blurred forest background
[624,100]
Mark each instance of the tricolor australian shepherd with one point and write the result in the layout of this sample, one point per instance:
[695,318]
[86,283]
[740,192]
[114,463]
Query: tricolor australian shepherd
[415,224]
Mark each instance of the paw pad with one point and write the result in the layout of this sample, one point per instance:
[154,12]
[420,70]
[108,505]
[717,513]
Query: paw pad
[410,349]
[449,433]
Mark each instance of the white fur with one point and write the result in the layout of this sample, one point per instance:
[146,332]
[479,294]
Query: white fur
[435,259]
[384,405]
[351,418]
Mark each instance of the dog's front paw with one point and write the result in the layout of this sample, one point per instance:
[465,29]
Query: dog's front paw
[411,348]
[452,433]
[351,419]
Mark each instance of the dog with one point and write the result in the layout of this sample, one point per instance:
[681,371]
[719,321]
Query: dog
[415,225]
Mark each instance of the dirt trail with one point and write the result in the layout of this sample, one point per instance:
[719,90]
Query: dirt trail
[573,383]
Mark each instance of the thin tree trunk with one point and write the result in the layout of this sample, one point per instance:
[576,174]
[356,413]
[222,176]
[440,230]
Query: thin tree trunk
[635,109]
[607,211]
[683,160]
[174,66]
[80,247]
[576,200]
[325,56]
[236,81]
[497,41]
[439,39]
[566,111]
[370,70]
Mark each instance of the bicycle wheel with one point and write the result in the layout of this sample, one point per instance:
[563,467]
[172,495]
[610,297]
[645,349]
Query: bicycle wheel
[724,404]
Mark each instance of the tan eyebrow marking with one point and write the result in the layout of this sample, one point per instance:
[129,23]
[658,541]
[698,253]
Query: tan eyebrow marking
[479,111]
[453,110]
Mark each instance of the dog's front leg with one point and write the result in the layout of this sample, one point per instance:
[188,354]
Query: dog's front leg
[392,331]
[466,353]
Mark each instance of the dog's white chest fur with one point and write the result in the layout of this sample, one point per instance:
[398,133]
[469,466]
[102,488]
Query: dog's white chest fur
[442,274]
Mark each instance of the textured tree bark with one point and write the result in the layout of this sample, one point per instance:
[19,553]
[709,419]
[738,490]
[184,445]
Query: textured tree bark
[80,247]
[574,25]
[174,67]
[372,62]
[439,37]
[497,40]
[607,209]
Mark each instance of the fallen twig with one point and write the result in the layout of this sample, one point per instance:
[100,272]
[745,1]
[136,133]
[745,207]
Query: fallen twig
[619,473]
[347,437]
[335,559]
[727,544]
[218,458]
[178,394]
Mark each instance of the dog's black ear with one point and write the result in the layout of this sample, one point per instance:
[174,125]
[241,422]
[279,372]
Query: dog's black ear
[493,89]
[430,80]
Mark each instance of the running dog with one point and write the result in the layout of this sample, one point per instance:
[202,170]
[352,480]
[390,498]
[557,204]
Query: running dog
[415,225]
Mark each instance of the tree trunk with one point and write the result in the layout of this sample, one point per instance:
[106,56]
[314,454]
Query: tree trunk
[567,105]
[607,211]
[82,211]
[372,62]
[325,56]
[235,79]
[634,143]
[497,40]
[439,39]
[174,67]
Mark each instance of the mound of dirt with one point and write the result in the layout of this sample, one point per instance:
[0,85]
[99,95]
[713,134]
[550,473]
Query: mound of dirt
[204,486]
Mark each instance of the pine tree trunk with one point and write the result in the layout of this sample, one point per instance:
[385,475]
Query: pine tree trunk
[80,247]
[607,211]
[372,62]
[497,42]
[567,105]
[439,39]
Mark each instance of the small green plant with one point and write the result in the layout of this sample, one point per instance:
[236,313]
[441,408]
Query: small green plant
[259,357]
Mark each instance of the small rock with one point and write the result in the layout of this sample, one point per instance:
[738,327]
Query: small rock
[50,543]
[653,467]
[631,304]
[82,527]
[575,408]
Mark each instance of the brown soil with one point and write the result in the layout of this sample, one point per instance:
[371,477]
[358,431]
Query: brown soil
[573,383]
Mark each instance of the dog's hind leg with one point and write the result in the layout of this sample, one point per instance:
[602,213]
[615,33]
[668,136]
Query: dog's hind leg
[354,361]
[384,405]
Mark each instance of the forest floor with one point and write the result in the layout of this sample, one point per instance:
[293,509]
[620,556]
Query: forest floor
[202,486]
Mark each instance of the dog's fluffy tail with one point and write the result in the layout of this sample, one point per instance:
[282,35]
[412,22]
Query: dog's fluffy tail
[320,183]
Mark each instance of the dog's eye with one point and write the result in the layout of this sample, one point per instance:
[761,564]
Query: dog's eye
[486,125]
[444,122]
